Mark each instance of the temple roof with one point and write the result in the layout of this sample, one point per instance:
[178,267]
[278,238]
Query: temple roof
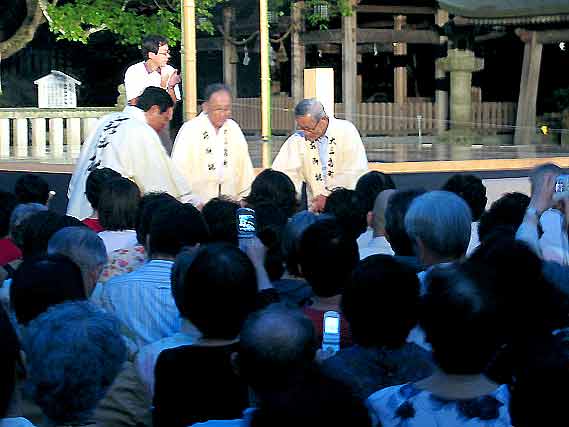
[496,9]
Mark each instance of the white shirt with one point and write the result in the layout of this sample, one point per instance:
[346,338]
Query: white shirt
[346,159]
[114,240]
[377,245]
[474,239]
[125,143]
[137,78]
[210,159]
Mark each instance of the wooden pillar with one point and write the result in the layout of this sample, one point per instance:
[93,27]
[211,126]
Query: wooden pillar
[349,64]
[526,118]
[229,53]
[298,53]
[441,80]
[319,84]
[400,70]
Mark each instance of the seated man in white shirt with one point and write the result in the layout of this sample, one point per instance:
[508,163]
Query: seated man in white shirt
[128,143]
[378,244]
[142,300]
[325,153]
[211,151]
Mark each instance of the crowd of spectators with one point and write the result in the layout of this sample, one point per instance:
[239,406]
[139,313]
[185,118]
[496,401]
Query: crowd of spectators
[153,313]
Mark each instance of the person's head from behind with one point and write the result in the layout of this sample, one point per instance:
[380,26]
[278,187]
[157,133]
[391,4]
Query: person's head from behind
[217,105]
[158,107]
[96,182]
[471,189]
[538,174]
[506,213]
[217,291]
[85,248]
[155,48]
[327,257]
[277,347]
[220,215]
[118,205]
[9,361]
[68,380]
[395,212]
[8,203]
[348,209]
[378,213]
[291,239]
[274,187]
[44,282]
[370,185]
[271,222]
[381,302]
[174,227]
[19,214]
[149,204]
[30,188]
[459,317]
[36,230]
[438,223]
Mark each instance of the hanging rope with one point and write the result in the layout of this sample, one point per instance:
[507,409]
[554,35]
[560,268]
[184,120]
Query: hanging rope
[252,36]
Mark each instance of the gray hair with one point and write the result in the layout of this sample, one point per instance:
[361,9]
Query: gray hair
[74,351]
[442,221]
[537,174]
[82,245]
[379,208]
[19,214]
[310,107]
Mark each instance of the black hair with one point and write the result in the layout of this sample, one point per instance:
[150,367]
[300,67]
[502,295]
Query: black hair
[506,213]
[274,187]
[213,88]
[277,346]
[152,96]
[220,215]
[349,210]
[381,302]
[37,229]
[459,316]
[7,204]
[395,212]
[174,226]
[291,238]
[471,189]
[327,257]
[43,282]
[9,361]
[118,205]
[270,225]
[149,203]
[370,185]
[218,290]
[151,44]
[96,182]
[30,188]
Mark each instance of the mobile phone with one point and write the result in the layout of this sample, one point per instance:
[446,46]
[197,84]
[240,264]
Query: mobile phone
[331,332]
[561,189]
[246,223]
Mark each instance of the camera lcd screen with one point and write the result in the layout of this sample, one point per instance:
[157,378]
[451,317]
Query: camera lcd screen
[247,223]
[331,325]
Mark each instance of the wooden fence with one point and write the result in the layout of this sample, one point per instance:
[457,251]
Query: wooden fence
[39,133]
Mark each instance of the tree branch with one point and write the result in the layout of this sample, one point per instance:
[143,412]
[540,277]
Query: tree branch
[26,32]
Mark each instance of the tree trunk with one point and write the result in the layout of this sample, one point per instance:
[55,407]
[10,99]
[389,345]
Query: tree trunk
[25,34]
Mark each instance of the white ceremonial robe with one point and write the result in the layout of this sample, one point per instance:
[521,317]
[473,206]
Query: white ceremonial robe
[214,163]
[346,160]
[125,143]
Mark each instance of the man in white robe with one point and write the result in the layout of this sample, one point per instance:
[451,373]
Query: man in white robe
[128,143]
[325,153]
[211,150]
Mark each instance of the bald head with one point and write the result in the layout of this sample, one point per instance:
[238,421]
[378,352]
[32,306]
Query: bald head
[277,346]
[379,208]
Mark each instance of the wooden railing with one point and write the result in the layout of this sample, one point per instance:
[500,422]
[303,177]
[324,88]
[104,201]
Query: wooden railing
[40,133]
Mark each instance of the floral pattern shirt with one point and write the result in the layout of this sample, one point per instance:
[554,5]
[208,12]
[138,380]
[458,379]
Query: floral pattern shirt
[407,406]
[122,261]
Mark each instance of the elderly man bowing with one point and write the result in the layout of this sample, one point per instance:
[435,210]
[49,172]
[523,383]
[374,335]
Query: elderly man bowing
[211,151]
[325,153]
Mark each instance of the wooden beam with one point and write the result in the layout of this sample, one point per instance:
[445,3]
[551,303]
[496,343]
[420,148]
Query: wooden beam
[298,53]
[229,52]
[349,64]
[373,35]
[396,10]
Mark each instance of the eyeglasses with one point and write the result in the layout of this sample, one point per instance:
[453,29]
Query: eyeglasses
[312,129]
[165,53]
